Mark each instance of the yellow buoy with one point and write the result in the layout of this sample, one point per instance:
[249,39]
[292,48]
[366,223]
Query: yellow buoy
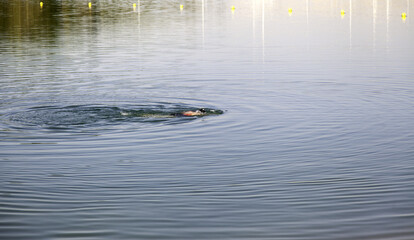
[233,8]
[342,12]
[90,5]
[404,15]
[290,10]
[41,4]
[181,7]
[134,6]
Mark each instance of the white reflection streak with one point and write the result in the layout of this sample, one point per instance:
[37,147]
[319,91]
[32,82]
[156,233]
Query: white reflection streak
[388,22]
[139,33]
[139,21]
[139,7]
[307,24]
[307,12]
[330,7]
[374,16]
[263,31]
[253,20]
[350,24]
[202,21]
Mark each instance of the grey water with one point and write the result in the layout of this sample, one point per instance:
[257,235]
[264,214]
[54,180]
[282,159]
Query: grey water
[312,135]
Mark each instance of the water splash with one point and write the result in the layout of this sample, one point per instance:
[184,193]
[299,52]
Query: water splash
[80,116]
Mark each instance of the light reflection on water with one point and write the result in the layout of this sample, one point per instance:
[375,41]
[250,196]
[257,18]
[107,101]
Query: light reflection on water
[315,141]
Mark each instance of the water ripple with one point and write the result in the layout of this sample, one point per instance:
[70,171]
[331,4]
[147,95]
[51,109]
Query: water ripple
[98,116]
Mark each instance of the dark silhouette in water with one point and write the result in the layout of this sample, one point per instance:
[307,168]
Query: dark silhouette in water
[99,115]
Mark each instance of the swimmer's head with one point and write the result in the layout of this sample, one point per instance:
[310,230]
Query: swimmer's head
[201,111]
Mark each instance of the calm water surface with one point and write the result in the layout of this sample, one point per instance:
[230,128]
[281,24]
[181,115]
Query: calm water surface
[315,139]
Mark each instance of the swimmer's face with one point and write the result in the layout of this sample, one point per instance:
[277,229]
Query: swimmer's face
[198,112]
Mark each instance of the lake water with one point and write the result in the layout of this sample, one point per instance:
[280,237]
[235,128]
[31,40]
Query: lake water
[312,135]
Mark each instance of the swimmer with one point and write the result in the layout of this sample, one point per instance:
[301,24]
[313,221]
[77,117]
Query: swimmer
[198,112]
